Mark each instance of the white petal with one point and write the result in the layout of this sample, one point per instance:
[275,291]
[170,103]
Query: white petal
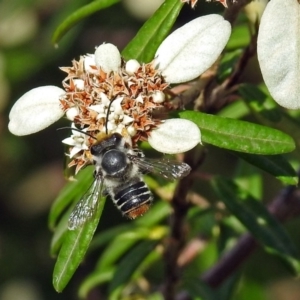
[131,130]
[99,108]
[175,136]
[111,126]
[116,104]
[69,141]
[104,99]
[36,110]
[107,56]
[158,97]
[278,47]
[71,113]
[127,119]
[132,66]
[139,99]
[79,83]
[192,49]
[74,151]
[89,60]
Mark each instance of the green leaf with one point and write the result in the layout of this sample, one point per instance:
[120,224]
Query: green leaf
[159,211]
[258,102]
[59,233]
[235,110]
[275,165]
[98,277]
[268,112]
[102,238]
[229,286]
[199,290]
[128,265]
[228,63]
[73,250]
[95,279]
[73,190]
[240,37]
[256,218]
[240,135]
[80,14]
[248,178]
[125,241]
[144,45]
[120,245]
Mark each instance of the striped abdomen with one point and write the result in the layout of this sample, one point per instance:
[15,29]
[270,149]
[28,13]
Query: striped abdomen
[133,200]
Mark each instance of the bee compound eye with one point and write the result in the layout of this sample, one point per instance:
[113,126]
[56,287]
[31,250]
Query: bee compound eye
[114,162]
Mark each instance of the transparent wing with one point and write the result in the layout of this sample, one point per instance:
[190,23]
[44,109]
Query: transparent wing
[86,207]
[167,168]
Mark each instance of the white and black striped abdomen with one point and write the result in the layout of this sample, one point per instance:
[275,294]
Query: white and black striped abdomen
[134,199]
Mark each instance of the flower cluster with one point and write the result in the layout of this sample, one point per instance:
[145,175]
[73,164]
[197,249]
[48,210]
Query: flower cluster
[119,101]
[102,93]
[103,99]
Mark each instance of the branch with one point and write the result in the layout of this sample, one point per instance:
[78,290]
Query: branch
[285,206]
[176,240]
[234,9]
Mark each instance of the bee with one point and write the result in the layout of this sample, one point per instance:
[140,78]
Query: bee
[119,170]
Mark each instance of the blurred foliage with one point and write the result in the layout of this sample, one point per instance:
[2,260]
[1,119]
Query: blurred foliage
[125,259]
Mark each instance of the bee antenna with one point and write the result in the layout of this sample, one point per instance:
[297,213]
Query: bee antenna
[72,128]
[107,114]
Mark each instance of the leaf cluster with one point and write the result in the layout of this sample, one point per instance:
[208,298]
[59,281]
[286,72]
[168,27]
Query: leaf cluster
[247,127]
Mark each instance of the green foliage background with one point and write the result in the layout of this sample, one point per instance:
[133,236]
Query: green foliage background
[245,167]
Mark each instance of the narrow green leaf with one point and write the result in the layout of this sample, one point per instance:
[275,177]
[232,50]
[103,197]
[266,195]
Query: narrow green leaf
[59,233]
[128,264]
[235,110]
[80,14]
[199,290]
[148,262]
[228,63]
[125,241]
[98,277]
[120,245]
[268,112]
[240,37]
[249,179]
[155,296]
[229,286]
[158,212]
[95,279]
[73,250]
[255,217]
[144,45]
[240,135]
[259,103]
[73,190]
[102,238]
[275,165]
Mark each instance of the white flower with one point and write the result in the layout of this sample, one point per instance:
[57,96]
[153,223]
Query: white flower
[278,50]
[184,55]
[132,66]
[77,140]
[124,104]
[36,110]
[192,49]
[175,136]
[108,57]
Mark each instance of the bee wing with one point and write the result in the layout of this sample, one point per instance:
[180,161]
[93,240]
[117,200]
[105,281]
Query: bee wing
[86,207]
[167,168]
